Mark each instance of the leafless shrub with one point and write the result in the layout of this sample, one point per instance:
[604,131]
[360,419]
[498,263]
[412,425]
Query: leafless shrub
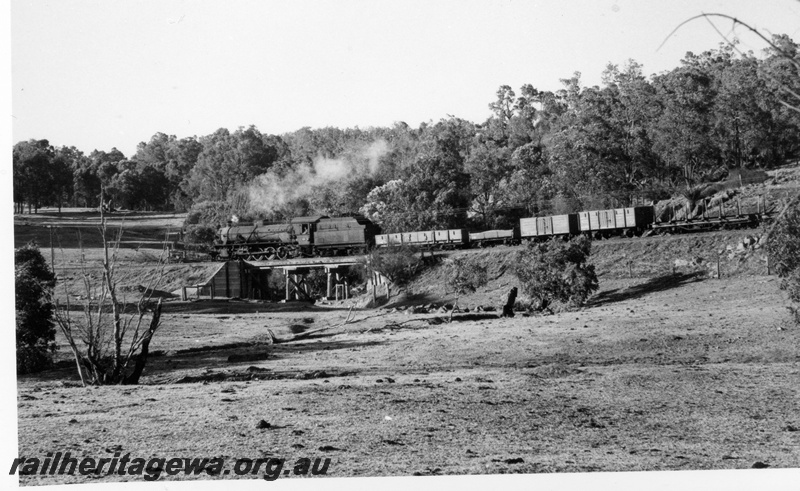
[110,337]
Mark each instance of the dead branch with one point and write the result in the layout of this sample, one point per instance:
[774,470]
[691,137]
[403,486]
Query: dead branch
[395,325]
[350,319]
[781,52]
[735,21]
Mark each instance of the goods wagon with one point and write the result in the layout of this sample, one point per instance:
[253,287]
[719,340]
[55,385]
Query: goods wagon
[549,226]
[494,237]
[439,239]
[450,239]
[617,221]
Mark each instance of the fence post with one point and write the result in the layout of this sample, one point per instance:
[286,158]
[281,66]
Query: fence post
[719,274]
[183,293]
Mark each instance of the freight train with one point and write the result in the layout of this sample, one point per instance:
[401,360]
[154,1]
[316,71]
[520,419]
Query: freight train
[326,236]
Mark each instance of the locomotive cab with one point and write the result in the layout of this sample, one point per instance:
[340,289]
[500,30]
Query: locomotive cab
[304,229]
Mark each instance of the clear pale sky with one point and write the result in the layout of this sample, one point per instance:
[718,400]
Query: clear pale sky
[103,74]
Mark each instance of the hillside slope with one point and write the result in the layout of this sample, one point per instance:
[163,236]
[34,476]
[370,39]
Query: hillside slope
[740,253]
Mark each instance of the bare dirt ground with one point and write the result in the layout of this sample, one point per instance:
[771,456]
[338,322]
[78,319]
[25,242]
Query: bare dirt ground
[674,372]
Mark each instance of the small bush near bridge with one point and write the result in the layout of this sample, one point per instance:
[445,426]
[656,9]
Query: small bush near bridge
[399,264]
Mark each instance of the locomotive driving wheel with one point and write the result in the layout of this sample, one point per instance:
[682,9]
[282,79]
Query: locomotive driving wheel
[282,252]
[269,253]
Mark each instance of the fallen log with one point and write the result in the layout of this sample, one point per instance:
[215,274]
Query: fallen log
[304,335]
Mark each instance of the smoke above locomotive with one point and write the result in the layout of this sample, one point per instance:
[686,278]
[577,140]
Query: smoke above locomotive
[278,188]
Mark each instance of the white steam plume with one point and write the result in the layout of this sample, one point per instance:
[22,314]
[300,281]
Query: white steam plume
[269,192]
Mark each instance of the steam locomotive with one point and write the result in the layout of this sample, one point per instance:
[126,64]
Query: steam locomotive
[300,237]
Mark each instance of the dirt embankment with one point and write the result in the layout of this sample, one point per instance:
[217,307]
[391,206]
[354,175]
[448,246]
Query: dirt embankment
[740,253]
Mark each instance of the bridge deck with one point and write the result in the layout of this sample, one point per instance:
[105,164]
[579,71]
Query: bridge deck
[308,262]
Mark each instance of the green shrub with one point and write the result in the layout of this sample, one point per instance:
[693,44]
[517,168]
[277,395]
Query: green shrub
[209,213]
[199,235]
[557,271]
[34,283]
[464,276]
[398,264]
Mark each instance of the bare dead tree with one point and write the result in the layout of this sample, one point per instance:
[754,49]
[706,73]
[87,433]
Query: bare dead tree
[110,338]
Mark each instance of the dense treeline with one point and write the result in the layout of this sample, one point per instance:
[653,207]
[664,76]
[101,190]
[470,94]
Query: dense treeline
[540,151]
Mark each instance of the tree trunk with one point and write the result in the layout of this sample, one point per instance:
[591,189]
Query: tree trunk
[508,309]
[455,306]
[141,359]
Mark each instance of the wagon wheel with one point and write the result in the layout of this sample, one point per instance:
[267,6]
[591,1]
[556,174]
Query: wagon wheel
[282,252]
